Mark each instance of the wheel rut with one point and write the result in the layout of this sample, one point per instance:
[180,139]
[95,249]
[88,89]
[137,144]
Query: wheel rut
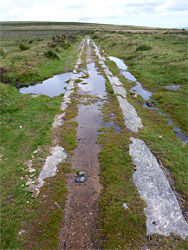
[79,226]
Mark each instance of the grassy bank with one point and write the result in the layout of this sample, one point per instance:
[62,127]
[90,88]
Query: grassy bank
[29,60]
[25,126]
[26,137]
[157,60]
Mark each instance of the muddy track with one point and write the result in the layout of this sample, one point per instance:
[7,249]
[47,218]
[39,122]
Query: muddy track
[79,225]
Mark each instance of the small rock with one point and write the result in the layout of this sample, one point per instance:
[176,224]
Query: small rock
[125,205]
[36,193]
[31,170]
[151,103]
[29,182]
[29,164]
[81,173]
[21,232]
[135,96]
[80,179]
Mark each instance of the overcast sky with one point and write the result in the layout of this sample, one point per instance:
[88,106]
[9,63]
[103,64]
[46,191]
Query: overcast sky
[153,13]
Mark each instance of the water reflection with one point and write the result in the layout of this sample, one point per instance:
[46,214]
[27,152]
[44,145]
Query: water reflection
[95,84]
[137,89]
[51,87]
[146,95]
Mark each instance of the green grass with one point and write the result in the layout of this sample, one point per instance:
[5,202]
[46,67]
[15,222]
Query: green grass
[25,125]
[38,63]
[164,64]
[43,227]
[125,229]
[169,149]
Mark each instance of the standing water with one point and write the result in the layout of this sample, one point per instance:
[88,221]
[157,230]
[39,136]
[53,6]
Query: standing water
[138,89]
[80,217]
[51,87]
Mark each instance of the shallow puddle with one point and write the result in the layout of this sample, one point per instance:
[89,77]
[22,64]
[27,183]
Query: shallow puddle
[177,130]
[51,87]
[146,95]
[95,84]
[119,62]
[80,220]
[137,89]
[128,76]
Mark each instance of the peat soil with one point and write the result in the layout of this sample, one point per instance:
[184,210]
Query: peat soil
[79,226]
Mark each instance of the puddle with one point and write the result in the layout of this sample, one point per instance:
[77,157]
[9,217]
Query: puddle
[95,83]
[85,188]
[88,41]
[129,76]
[137,89]
[51,87]
[173,87]
[177,130]
[146,95]
[119,62]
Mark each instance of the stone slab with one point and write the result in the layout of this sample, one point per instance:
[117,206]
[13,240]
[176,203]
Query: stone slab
[163,213]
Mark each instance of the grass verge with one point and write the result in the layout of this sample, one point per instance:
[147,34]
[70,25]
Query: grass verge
[125,228]
[164,64]
[25,126]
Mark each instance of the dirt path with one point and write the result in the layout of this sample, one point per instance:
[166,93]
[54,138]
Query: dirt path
[80,219]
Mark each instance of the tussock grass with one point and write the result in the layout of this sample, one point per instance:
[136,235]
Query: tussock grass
[30,66]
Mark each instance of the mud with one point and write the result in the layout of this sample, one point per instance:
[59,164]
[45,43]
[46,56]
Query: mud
[79,225]
[81,208]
